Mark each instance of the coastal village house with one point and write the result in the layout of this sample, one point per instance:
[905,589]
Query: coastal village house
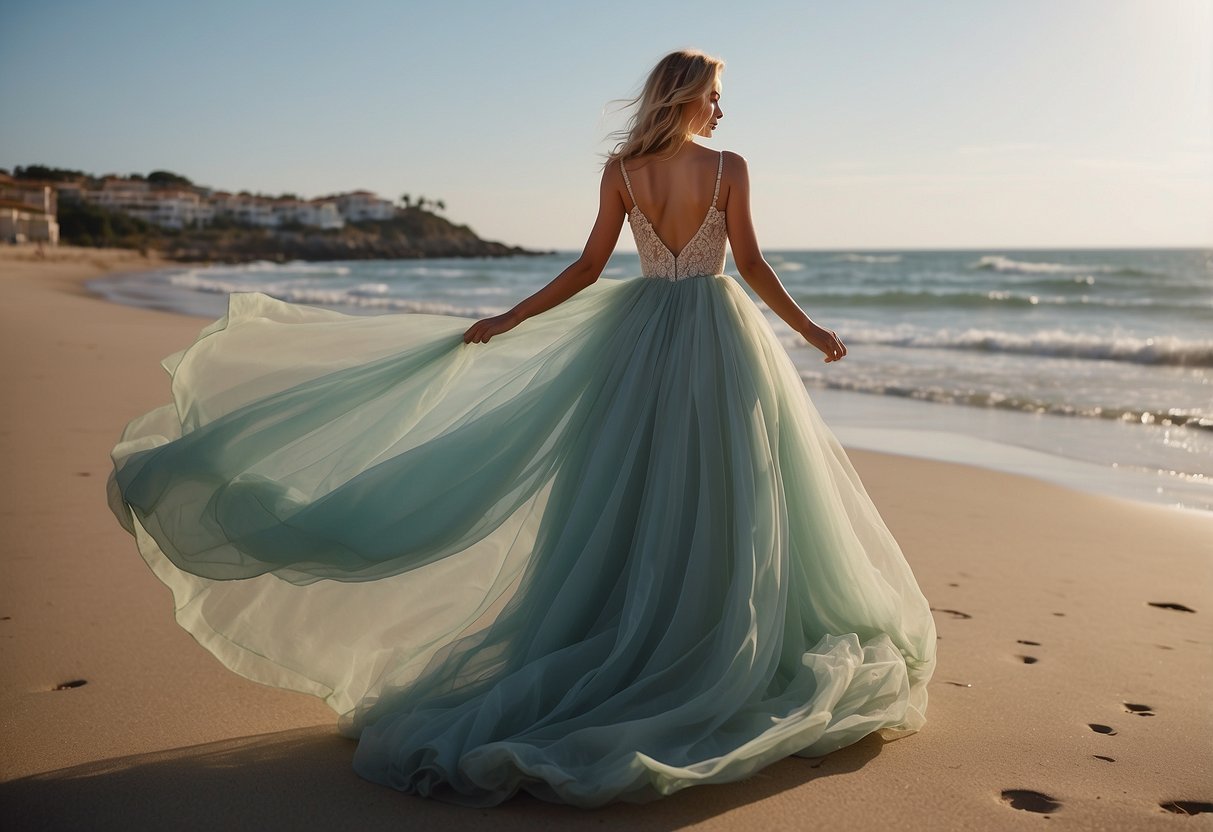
[272,213]
[180,208]
[356,206]
[167,208]
[28,211]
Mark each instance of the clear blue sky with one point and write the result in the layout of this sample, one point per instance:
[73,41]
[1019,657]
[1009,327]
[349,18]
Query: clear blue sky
[984,123]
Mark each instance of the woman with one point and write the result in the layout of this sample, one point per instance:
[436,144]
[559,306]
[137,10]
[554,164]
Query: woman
[606,552]
[670,114]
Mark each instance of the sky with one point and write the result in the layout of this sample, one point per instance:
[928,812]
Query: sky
[865,125]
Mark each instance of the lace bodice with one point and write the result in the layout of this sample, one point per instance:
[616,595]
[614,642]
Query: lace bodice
[703,254]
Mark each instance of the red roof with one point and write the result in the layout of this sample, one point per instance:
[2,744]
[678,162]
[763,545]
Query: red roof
[24,206]
[27,185]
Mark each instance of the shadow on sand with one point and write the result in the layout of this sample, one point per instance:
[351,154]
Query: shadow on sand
[303,779]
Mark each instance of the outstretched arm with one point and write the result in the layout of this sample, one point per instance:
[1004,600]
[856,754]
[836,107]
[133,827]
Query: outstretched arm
[757,272]
[578,275]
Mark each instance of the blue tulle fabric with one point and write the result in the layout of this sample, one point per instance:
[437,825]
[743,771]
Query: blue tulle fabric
[610,554]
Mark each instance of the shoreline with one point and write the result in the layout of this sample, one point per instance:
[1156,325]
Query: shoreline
[1006,440]
[1057,609]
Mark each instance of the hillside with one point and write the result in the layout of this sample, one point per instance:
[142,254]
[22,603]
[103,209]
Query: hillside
[411,232]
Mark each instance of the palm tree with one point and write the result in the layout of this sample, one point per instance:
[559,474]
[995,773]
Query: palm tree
[441,205]
[406,199]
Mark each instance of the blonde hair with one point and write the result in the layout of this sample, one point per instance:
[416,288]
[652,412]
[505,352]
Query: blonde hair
[658,125]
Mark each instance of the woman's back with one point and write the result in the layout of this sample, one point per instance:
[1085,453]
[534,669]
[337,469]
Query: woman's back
[674,187]
[674,194]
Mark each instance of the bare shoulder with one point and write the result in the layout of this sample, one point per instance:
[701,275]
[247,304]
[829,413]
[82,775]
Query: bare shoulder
[734,177]
[611,187]
[612,176]
[611,168]
[735,165]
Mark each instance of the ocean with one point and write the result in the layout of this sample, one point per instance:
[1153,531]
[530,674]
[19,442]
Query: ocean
[1086,367]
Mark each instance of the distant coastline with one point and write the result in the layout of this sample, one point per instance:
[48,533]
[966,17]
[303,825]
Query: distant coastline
[411,234]
[168,214]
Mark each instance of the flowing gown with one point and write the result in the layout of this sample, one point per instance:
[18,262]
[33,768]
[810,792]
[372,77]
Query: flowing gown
[610,554]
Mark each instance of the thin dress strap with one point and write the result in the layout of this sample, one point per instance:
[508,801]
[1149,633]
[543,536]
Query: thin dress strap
[719,168]
[627,182]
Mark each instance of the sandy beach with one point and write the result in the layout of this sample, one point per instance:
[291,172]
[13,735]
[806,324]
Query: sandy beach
[1075,652]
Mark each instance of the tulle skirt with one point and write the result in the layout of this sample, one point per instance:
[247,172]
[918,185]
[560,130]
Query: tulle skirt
[610,554]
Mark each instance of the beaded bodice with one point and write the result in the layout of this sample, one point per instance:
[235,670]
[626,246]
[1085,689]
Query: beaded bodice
[702,255]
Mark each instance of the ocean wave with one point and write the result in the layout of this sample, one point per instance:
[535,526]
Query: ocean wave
[1166,418]
[293,267]
[868,258]
[369,290]
[999,263]
[973,299]
[1079,281]
[365,296]
[435,271]
[1054,343]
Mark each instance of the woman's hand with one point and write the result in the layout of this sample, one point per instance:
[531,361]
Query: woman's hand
[486,328]
[827,341]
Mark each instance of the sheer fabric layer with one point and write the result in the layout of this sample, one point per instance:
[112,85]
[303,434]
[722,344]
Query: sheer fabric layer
[613,553]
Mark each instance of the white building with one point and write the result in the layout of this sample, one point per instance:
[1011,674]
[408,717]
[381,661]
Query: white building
[21,224]
[165,208]
[249,210]
[28,212]
[179,208]
[315,213]
[357,206]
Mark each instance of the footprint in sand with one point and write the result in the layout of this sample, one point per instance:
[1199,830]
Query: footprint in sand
[1140,710]
[1027,659]
[74,683]
[1102,757]
[1025,641]
[953,613]
[1188,807]
[1102,729]
[1168,605]
[1030,801]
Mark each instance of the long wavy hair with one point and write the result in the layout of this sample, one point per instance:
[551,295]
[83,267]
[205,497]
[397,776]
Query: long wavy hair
[658,125]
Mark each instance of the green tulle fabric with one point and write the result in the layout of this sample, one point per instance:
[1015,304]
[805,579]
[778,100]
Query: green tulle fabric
[610,554]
